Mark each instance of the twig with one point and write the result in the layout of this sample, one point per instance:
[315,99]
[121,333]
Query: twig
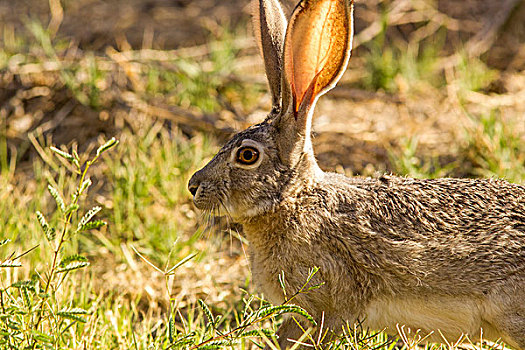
[175,114]
[486,37]
[185,52]
[58,118]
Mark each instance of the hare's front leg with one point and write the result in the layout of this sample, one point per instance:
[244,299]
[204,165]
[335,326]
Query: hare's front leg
[290,332]
[293,328]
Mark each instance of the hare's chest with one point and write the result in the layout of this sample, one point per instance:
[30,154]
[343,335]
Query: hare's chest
[265,274]
[278,269]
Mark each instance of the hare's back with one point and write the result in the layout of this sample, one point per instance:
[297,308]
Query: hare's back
[462,230]
[475,209]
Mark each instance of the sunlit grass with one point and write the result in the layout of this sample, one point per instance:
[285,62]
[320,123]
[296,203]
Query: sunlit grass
[494,148]
[400,66]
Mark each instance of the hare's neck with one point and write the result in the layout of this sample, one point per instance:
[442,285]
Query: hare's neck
[267,229]
[284,218]
[270,224]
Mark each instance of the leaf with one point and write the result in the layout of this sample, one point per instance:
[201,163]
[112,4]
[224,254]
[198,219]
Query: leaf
[74,314]
[111,143]
[187,339]
[5,241]
[23,284]
[217,344]
[316,286]
[282,309]
[171,329]
[183,341]
[72,258]
[10,263]
[311,273]
[93,225]
[72,266]
[71,208]
[257,333]
[75,311]
[75,155]
[49,231]
[77,163]
[72,262]
[58,198]
[84,186]
[63,154]
[44,338]
[13,325]
[87,217]
[180,263]
[207,311]
[25,296]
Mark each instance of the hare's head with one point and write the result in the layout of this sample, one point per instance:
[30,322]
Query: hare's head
[303,60]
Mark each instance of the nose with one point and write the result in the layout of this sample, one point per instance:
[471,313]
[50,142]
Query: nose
[193,189]
[193,185]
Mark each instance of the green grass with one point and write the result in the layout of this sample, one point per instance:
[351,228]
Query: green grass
[148,180]
[396,66]
[473,74]
[406,161]
[494,148]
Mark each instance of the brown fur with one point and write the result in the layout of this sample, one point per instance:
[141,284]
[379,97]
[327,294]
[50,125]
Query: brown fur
[442,255]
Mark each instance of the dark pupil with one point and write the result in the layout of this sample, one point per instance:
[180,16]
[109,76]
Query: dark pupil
[247,155]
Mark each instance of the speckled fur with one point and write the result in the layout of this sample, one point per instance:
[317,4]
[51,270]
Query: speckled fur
[443,255]
[456,246]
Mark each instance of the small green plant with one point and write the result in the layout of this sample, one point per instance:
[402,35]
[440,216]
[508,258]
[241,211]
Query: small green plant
[406,161]
[251,321]
[382,68]
[217,332]
[473,74]
[495,148]
[255,319]
[34,313]
[412,65]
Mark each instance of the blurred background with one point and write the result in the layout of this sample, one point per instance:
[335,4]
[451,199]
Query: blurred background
[434,88]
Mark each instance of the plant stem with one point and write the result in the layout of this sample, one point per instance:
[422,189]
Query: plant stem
[62,240]
[4,167]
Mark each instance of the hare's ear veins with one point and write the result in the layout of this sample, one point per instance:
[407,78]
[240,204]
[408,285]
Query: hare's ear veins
[269,26]
[317,48]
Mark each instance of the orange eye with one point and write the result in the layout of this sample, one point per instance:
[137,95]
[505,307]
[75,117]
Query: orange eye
[247,155]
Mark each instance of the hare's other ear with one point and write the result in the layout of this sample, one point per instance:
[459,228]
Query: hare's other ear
[269,26]
[316,52]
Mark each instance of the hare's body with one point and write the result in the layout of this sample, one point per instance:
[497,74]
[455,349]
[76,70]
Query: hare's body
[428,254]
[444,256]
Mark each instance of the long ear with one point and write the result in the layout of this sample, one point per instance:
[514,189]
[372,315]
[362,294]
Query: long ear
[269,26]
[316,52]
[317,49]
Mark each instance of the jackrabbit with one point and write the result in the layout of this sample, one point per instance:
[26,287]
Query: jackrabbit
[444,255]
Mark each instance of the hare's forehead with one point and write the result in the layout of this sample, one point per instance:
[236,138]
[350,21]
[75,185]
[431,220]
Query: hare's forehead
[257,134]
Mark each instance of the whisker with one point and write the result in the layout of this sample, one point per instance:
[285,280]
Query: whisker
[229,221]
[229,217]
[208,223]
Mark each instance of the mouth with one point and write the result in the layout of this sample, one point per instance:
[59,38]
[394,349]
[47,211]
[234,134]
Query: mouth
[209,206]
